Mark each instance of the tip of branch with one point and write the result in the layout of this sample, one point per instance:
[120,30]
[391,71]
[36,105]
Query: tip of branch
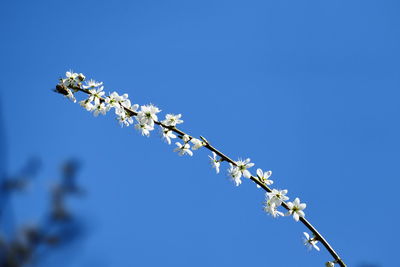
[204,140]
[61,89]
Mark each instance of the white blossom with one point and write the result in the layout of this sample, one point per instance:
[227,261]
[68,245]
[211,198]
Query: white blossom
[167,135]
[120,101]
[235,174]
[99,108]
[72,78]
[148,114]
[277,196]
[96,95]
[132,108]
[70,95]
[92,84]
[123,118]
[86,104]
[113,100]
[312,243]
[243,165]
[263,177]
[296,209]
[186,138]
[272,209]
[71,74]
[196,143]
[172,120]
[143,128]
[214,162]
[183,149]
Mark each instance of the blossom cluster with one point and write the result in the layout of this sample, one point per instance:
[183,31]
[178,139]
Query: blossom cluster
[145,117]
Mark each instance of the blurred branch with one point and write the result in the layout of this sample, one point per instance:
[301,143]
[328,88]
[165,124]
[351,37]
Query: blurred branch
[58,227]
[21,180]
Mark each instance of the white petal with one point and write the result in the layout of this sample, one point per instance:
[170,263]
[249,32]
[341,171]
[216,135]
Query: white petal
[246,174]
[260,173]
[306,235]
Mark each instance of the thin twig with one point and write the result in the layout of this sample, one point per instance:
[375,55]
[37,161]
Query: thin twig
[224,157]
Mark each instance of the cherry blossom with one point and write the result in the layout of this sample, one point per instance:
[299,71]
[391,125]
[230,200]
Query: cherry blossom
[196,143]
[183,149]
[92,84]
[167,135]
[214,162]
[296,209]
[172,120]
[277,196]
[86,104]
[99,108]
[243,165]
[235,174]
[272,209]
[263,177]
[96,95]
[186,138]
[148,114]
[119,101]
[123,118]
[311,242]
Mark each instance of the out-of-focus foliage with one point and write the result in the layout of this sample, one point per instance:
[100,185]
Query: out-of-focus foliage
[59,227]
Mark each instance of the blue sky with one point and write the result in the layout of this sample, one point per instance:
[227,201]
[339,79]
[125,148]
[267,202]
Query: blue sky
[307,89]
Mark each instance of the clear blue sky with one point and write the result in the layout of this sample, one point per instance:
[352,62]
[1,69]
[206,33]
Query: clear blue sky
[308,89]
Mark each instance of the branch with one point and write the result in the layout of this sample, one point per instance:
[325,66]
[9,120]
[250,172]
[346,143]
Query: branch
[73,84]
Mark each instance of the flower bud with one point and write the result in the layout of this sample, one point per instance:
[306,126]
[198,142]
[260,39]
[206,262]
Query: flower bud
[61,89]
[81,77]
